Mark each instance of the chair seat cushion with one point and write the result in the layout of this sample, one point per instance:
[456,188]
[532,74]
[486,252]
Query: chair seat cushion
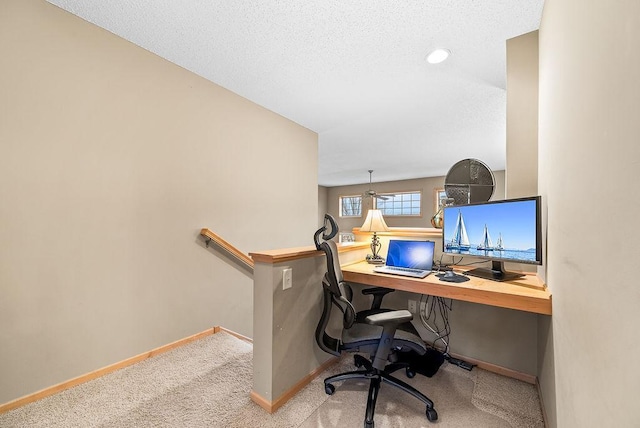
[363,335]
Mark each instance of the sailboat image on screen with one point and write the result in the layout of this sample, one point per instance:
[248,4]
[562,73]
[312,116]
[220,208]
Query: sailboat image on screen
[486,243]
[499,244]
[460,240]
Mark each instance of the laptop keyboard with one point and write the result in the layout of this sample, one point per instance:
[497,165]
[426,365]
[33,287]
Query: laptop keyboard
[416,273]
[401,269]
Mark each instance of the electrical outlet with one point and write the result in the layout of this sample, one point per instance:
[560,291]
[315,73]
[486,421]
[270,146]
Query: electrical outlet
[413,306]
[287,280]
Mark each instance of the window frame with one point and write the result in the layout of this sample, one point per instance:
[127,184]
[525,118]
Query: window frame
[395,194]
[438,195]
[340,204]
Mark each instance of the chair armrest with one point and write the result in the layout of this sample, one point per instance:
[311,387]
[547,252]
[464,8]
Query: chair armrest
[377,290]
[378,294]
[389,321]
[387,318]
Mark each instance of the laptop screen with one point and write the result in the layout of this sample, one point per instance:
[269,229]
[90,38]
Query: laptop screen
[410,254]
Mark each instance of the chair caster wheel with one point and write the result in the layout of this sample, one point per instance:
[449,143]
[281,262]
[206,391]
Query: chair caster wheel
[358,361]
[432,415]
[368,424]
[329,389]
[410,373]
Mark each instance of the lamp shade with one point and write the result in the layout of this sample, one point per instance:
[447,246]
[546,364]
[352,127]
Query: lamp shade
[374,222]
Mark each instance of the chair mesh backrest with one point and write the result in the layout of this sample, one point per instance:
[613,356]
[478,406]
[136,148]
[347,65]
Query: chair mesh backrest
[340,290]
[333,264]
[337,292]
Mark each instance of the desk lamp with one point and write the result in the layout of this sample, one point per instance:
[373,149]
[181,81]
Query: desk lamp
[374,223]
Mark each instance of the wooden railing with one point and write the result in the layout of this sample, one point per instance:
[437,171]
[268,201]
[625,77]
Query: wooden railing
[237,254]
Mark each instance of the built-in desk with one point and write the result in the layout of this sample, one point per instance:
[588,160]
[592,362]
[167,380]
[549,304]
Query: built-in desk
[527,294]
[285,355]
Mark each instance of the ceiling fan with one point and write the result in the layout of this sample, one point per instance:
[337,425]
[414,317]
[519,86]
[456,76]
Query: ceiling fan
[372,193]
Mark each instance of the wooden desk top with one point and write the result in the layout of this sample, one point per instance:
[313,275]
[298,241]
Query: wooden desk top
[527,294]
[288,254]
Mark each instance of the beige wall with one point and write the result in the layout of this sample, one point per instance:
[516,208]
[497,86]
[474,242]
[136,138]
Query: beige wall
[284,347]
[589,152]
[323,199]
[111,160]
[522,116]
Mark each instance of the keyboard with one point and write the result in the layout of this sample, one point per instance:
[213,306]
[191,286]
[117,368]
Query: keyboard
[395,270]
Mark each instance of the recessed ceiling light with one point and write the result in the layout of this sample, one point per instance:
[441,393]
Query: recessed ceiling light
[438,55]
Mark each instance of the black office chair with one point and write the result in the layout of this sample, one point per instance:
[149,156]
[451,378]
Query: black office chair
[378,335]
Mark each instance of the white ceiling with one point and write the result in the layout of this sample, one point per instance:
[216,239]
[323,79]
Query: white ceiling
[353,71]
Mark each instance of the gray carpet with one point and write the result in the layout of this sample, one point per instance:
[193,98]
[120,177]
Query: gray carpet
[207,384]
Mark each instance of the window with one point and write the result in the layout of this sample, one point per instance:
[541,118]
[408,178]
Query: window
[440,194]
[405,203]
[350,206]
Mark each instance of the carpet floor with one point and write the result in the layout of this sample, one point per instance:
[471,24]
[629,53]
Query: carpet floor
[207,384]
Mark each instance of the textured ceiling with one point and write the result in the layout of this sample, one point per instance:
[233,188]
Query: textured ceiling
[353,71]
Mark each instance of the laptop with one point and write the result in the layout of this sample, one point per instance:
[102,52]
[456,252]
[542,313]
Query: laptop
[408,258]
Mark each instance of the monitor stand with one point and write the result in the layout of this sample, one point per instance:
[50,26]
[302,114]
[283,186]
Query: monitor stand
[495,273]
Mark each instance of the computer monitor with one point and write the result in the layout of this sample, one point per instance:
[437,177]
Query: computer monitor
[507,230]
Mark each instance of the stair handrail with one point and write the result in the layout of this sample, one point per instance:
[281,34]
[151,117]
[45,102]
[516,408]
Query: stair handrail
[239,255]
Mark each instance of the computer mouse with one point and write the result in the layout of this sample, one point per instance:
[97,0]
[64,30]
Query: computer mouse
[449,274]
